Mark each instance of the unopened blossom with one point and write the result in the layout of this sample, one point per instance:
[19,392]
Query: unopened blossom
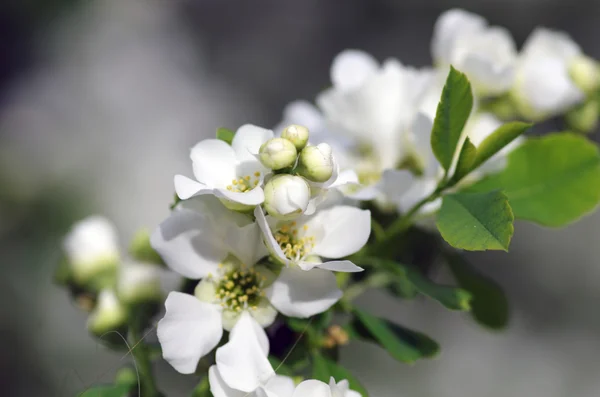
[297,134]
[286,196]
[91,248]
[317,388]
[242,367]
[316,162]
[141,282]
[487,55]
[278,153]
[233,173]
[108,314]
[543,85]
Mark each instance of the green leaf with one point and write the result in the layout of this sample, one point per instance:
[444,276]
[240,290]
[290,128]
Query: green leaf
[403,344]
[466,159]
[489,306]
[106,391]
[324,368]
[552,180]
[225,135]
[498,139]
[476,221]
[176,201]
[451,115]
[450,297]
[202,389]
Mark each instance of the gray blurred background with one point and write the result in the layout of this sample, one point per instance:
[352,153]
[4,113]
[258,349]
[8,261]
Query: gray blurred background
[100,101]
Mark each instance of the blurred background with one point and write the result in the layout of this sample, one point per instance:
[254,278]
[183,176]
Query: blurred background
[100,101]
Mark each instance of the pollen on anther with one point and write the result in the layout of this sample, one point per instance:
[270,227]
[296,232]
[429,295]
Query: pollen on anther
[235,182]
[257,174]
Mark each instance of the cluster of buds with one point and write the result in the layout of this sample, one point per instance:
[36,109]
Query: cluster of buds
[102,283]
[298,170]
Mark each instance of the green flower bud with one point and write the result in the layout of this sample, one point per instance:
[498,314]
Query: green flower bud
[141,249]
[315,163]
[297,134]
[278,153]
[139,283]
[108,315]
[584,118]
[286,196]
[585,73]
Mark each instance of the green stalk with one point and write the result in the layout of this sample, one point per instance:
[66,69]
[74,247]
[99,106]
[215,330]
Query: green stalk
[141,354]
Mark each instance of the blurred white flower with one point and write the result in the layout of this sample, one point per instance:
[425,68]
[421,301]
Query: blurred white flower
[108,314]
[543,86]
[242,367]
[487,55]
[232,173]
[91,248]
[316,388]
[286,196]
[142,282]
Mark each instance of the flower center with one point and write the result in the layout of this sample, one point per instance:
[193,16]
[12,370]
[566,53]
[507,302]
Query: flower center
[292,244]
[244,183]
[240,288]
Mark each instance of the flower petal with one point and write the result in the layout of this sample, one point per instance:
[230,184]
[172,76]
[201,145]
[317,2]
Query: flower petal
[218,387]
[264,314]
[312,388]
[347,230]
[280,386]
[351,68]
[247,142]
[186,187]
[340,266]
[242,361]
[214,162]
[395,183]
[268,238]
[189,330]
[248,324]
[299,293]
[448,27]
[189,244]
[251,198]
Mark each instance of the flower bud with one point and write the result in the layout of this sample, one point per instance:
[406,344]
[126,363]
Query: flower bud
[91,250]
[139,283]
[584,118]
[585,73]
[278,153]
[108,315]
[315,163]
[141,249]
[297,134]
[286,196]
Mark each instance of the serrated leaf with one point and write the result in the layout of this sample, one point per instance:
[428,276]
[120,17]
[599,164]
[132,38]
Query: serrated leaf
[324,369]
[499,139]
[552,180]
[466,159]
[476,221]
[106,391]
[225,135]
[403,344]
[489,306]
[450,118]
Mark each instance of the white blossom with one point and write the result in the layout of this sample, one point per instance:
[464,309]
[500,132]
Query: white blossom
[232,173]
[316,388]
[286,196]
[108,314]
[487,55]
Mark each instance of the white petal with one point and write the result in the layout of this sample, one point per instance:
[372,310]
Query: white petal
[299,293]
[351,68]
[340,266]
[448,26]
[246,243]
[218,387]
[395,183]
[347,230]
[247,142]
[250,198]
[312,388]
[189,244]
[544,42]
[91,239]
[280,386]
[268,238]
[242,361]
[247,324]
[189,330]
[214,162]
[186,187]
[264,314]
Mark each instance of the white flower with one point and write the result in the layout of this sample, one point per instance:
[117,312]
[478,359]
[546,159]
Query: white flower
[201,233]
[373,104]
[242,367]
[108,314]
[142,282]
[543,86]
[286,196]
[316,388]
[232,173]
[91,248]
[278,153]
[485,54]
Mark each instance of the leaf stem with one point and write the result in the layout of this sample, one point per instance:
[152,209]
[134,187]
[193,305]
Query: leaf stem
[141,355]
